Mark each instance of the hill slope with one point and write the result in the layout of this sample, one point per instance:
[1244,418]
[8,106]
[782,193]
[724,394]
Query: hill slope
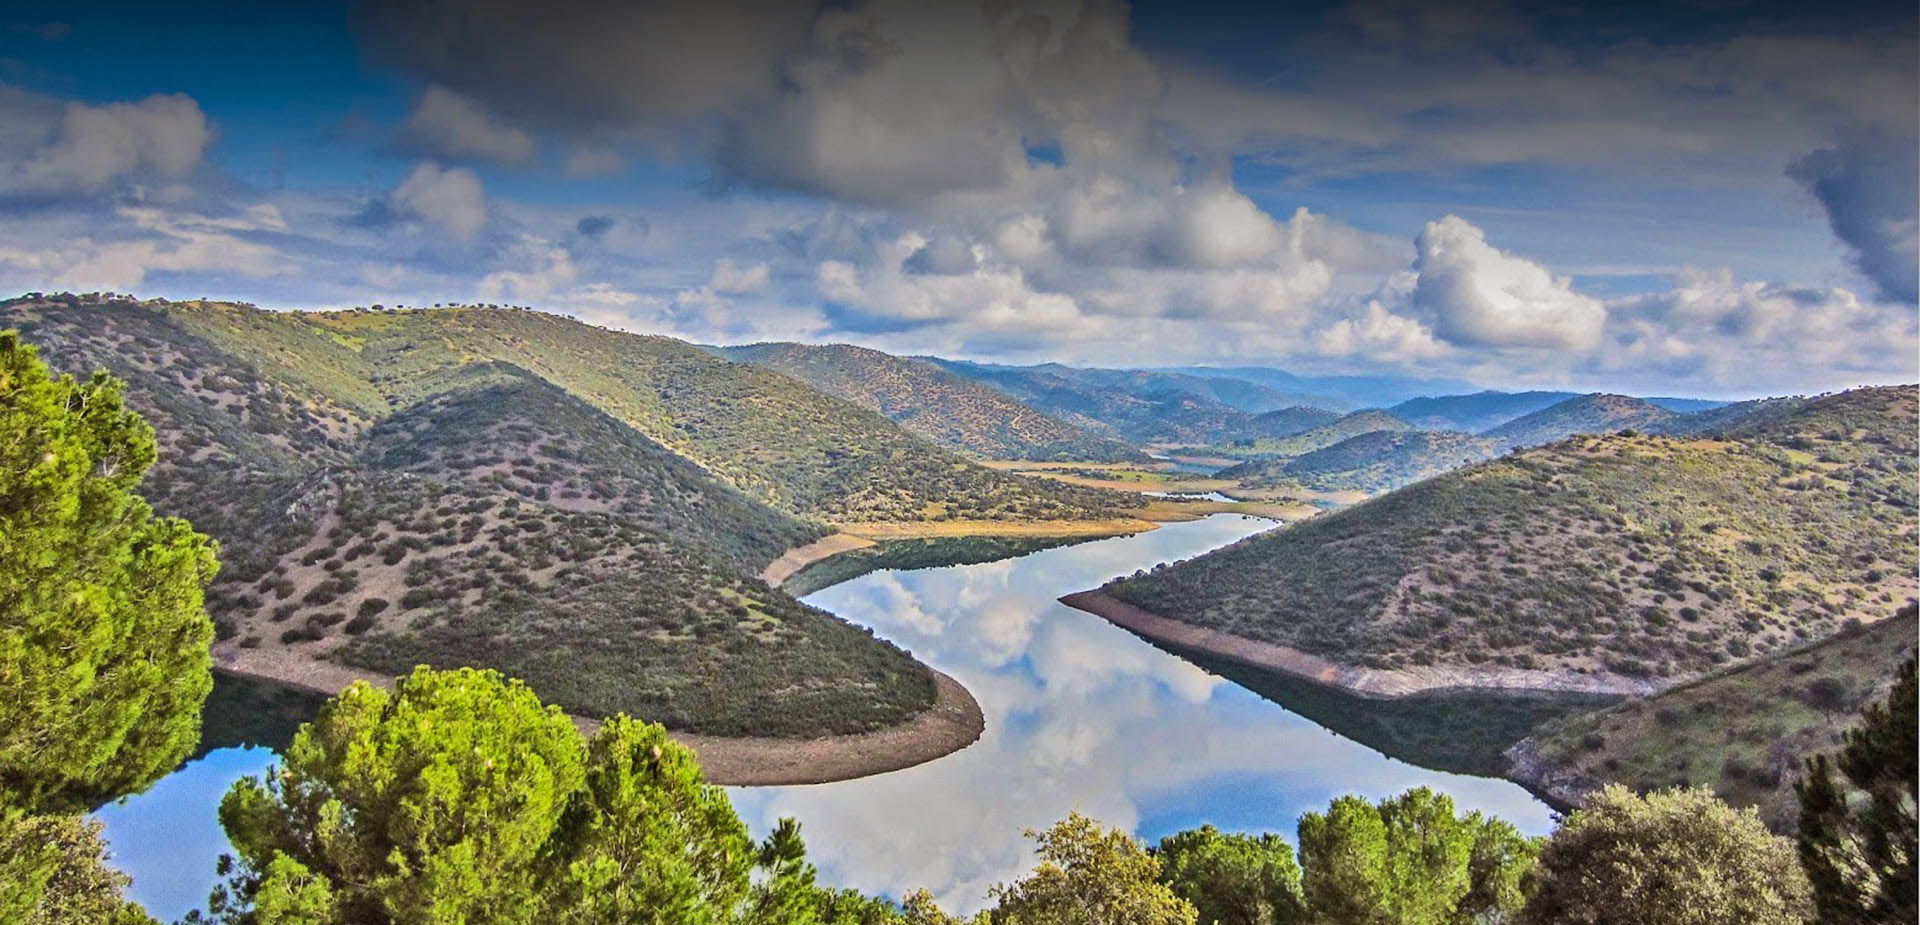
[521,491]
[1139,408]
[1325,435]
[1476,412]
[1372,462]
[948,409]
[1746,732]
[1640,556]
[1598,413]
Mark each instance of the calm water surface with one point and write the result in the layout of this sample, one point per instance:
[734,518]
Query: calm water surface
[1080,716]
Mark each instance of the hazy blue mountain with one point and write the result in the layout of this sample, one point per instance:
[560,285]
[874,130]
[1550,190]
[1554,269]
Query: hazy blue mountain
[1337,393]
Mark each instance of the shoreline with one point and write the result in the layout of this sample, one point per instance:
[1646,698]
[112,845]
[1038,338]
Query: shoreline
[953,722]
[1372,683]
[799,557]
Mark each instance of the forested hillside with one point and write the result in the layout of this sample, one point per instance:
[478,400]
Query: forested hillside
[948,409]
[1645,556]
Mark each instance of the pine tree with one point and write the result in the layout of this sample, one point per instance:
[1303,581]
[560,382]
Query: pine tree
[1860,852]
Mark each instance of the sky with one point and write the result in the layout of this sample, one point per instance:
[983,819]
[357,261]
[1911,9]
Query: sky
[1709,197]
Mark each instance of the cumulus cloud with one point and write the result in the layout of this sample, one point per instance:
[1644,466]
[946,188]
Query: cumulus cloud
[1475,294]
[450,199]
[730,278]
[445,124]
[1713,329]
[1869,185]
[547,269]
[156,241]
[93,146]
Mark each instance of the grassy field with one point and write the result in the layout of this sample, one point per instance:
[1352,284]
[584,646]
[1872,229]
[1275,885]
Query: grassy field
[1745,732]
[1644,556]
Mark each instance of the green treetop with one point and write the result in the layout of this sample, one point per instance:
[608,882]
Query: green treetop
[1677,857]
[103,634]
[1408,860]
[1860,853]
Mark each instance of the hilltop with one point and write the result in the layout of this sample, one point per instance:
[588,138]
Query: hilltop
[1626,560]
[955,412]
[583,508]
[1586,414]
[1372,462]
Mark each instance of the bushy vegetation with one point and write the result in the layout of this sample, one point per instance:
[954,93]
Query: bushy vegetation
[1678,856]
[1746,732]
[527,492]
[1138,406]
[948,409]
[1648,557]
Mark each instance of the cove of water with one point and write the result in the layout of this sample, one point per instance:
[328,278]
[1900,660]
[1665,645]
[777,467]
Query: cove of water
[1081,715]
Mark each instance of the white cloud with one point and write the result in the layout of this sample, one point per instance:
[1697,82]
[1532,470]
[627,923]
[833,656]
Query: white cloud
[446,124]
[548,271]
[93,146]
[1477,295]
[157,242]
[451,199]
[730,278]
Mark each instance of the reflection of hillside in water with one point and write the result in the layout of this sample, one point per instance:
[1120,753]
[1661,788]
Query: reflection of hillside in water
[243,712]
[1459,732]
[1081,715]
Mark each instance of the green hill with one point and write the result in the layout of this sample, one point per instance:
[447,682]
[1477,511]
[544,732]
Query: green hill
[1727,417]
[1317,438]
[950,410]
[1135,406]
[1598,413]
[1746,732]
[1476,412]
[1285,422]
[1645,556]
[1372,462]
[580,507]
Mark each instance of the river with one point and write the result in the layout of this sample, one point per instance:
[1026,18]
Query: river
[1081,715]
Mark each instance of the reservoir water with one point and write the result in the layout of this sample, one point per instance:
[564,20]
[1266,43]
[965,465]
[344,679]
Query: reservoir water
[1081,715]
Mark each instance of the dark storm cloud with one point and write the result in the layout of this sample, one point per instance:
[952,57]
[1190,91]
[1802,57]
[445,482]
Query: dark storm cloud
[1869,185]
[590,62]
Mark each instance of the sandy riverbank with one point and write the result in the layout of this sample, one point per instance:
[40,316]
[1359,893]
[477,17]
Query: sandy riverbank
[1363,682]
[793,560]
[952,723]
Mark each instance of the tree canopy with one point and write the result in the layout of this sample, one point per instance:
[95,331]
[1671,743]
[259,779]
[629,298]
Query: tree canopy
[1676,857]
[1233,879]
[103,635]
[1090,875]
[1410,859]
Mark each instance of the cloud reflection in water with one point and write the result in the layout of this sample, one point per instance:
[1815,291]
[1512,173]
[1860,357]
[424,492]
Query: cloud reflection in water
[1081,715]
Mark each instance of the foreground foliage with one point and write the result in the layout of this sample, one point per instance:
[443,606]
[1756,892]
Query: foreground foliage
[1859,851]
[103,639]
[1677,857]
[460,797]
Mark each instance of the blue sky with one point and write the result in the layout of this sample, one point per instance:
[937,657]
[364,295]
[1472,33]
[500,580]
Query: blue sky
[1716,198]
